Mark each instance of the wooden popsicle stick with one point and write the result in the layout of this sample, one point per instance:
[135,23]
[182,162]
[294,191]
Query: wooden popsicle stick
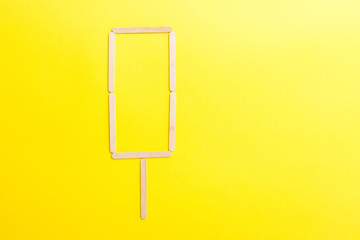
[112,118]
[172,61]
[128,155]
[141,29]
[172,121]
[111,73]
[143,207]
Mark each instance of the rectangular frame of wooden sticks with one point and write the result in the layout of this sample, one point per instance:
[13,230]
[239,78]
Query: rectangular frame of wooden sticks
[111,88]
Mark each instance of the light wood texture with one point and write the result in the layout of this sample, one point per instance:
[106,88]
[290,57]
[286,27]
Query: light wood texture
[128,155]
[112,119]
[172,61]
[141,29]
[111,73]
[172,121]
[143,207]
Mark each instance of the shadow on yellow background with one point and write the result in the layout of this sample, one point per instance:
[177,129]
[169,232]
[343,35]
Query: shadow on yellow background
[267,134]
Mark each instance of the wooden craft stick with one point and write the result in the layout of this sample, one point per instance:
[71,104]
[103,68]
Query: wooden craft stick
[143,208]
[127,155]
[172,121]
[141,29]
[172,61]
[112,118]
[111,73]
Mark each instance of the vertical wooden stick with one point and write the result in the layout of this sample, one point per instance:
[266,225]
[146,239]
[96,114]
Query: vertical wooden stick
[172,61]
[111,62]
[112,119]
[143,210]
[172,121]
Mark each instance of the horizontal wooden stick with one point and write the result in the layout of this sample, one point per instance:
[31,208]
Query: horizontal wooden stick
[141,29]
[127,155]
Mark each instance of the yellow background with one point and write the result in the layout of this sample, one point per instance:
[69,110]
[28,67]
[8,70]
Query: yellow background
[268,120]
